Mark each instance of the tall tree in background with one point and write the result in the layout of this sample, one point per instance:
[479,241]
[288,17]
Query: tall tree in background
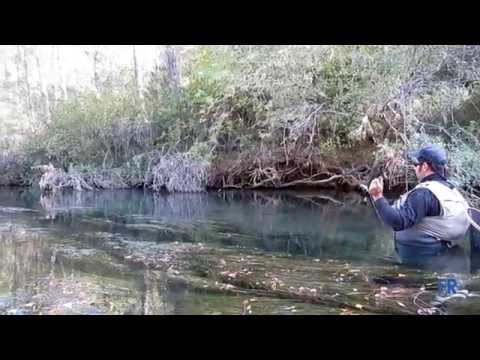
[172,67]
[18,61]
[43,88]
[138,85]
[96,64]
[95,55]
[8,80]
[26,79]
[6,73]
[135,73]
[52,66]
[61,78]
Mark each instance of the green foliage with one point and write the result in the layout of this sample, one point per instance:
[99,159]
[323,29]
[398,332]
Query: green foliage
[91,129]
[463,159]
[239,98]
[202,151]
[176,112]
[170,114]
[465,164]
[208,76]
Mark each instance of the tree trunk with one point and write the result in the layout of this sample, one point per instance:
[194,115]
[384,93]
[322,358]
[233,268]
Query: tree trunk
[6,73]
[19,80]
[138,85]
[135,74]
[172,67]
[43,89]
[27,85]
[96,77]
[61,78]
[52,66]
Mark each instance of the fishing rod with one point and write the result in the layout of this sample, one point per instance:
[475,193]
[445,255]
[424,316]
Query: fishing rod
[366,193]
[471,214]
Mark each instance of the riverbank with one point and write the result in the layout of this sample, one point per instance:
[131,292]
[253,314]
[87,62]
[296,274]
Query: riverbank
[344,171]
[249,117]
[183,173]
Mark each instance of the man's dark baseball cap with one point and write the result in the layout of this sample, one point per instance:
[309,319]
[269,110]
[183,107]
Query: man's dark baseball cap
[435,155]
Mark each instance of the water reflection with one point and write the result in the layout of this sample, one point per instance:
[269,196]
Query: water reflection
[299,223]
[22,259]
[308,224]
[47,202]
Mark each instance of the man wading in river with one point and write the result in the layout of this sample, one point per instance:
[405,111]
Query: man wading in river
[431,218]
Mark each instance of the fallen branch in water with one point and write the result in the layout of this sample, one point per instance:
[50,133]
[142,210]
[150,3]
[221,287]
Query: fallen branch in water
[54,179]
[311,182]
[254,273]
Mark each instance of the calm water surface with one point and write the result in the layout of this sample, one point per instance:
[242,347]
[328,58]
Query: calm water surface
[51,264]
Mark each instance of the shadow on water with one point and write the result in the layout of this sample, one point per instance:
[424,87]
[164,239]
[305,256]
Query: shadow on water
[48,245]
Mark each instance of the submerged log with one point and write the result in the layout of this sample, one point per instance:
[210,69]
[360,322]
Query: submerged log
[380,288]
[242,271]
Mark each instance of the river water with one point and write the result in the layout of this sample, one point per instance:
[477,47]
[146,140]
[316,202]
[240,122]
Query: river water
[51,261]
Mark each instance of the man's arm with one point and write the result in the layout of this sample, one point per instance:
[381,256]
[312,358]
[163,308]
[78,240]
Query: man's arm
[419,203]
